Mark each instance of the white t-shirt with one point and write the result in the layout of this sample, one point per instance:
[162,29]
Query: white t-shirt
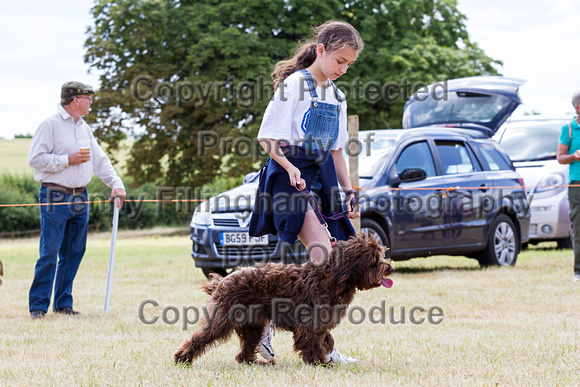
[287,113]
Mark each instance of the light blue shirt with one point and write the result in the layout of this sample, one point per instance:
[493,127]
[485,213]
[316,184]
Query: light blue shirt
[574,145]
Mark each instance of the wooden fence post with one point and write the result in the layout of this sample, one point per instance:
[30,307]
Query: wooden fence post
[352,125]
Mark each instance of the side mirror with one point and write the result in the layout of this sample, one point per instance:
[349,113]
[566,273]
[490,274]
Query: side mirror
[412,174]
[393,179]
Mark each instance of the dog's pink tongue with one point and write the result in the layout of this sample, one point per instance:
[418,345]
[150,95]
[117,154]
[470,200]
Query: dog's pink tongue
[387,282]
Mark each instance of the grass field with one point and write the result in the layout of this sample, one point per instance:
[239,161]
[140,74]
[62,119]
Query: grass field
[14,156]
[501,326]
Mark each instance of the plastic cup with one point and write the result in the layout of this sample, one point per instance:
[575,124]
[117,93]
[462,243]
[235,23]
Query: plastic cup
[85,146]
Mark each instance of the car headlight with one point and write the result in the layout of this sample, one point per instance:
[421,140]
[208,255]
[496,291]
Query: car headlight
[550,182]
[202,214]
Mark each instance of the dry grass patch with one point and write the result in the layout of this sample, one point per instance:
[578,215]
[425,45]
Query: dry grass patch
[508,326]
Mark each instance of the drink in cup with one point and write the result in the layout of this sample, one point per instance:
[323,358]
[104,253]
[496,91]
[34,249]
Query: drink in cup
[85,147]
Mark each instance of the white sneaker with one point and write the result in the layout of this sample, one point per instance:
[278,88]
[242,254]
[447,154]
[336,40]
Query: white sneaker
[265,347]
[576,278]
[335,357]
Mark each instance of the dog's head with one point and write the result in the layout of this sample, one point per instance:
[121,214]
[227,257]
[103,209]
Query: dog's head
[360,262]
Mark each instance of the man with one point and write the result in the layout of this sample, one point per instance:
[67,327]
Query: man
[64,155]
[569,153]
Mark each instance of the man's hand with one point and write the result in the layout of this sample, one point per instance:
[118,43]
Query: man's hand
[119,193]
[79,157]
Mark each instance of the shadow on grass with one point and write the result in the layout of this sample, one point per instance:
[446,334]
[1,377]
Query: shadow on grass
[440,263]
[437,268]
[546,248]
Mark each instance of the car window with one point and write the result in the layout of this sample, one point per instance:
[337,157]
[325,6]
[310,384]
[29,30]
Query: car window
[454,157]
[371,156]
[532,142]
[457,107]
[493,157]
[416,155]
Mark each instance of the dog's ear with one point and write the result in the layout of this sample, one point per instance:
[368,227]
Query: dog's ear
[342,273]
[349,261]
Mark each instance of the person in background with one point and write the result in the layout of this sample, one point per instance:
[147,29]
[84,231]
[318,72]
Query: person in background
[65,155]
[569,153]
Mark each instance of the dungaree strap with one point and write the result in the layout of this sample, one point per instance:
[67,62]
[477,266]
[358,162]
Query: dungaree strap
[312,87]
[310,83]
[336,93]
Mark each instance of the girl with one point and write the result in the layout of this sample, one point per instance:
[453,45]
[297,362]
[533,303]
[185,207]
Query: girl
[304,123]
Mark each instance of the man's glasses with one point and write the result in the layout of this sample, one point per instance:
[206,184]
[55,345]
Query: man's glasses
[89,98]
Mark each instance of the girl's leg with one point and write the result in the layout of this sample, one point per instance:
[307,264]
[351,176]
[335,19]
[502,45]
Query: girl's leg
[315,238]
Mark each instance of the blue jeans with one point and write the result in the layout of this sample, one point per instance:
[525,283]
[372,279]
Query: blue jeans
[63,234]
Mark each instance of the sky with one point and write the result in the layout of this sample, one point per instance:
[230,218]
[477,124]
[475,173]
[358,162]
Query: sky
[41,46]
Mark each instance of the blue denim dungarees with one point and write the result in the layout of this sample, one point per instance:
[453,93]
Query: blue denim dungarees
[321,127]
[323,118]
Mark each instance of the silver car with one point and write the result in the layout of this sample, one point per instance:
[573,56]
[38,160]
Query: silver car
[531,142]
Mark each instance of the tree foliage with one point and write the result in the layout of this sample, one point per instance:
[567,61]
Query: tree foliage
[220,53]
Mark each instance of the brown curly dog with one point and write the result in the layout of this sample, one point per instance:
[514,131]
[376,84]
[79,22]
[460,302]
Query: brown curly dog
[307,301]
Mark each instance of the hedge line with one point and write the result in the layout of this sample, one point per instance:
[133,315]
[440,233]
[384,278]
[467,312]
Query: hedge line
[135,214]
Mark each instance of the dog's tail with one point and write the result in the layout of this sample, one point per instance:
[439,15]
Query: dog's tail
[213,284]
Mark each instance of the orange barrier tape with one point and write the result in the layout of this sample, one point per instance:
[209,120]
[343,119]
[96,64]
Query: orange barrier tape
[99,201]
[358,188]
[483,188]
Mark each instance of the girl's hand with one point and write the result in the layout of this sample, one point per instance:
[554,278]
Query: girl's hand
[353,213]
[295,179]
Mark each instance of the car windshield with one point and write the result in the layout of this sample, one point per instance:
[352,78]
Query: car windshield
[538,141]
[371,158]
[457,107]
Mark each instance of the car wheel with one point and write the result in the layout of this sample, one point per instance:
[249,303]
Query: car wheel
[218,270]
[370,227]
[502,246]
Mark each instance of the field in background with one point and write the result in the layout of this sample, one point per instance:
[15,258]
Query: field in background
[14,156]
[502,326]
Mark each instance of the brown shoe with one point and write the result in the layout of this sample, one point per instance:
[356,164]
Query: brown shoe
[37,314]
[68,311]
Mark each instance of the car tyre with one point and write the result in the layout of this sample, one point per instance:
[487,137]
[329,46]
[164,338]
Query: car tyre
[218,270]
[503,244]
[370,227]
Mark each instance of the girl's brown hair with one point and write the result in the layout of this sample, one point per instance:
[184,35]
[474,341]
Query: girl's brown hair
[334,35]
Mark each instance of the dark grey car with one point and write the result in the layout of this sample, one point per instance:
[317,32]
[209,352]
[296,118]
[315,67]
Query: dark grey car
[423,192]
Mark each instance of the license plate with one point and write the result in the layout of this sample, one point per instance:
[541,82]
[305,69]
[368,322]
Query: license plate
[241,238]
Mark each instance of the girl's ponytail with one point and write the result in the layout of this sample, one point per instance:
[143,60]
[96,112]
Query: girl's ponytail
[305,56]
[334,35]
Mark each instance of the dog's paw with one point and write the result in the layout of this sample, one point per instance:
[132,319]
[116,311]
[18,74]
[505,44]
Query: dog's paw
[181,358]
[266,362]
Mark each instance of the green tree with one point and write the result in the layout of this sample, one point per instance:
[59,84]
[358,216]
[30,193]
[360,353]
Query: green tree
[171,69]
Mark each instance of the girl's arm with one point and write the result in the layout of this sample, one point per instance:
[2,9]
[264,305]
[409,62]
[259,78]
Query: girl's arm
[344,181]
[273,149]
